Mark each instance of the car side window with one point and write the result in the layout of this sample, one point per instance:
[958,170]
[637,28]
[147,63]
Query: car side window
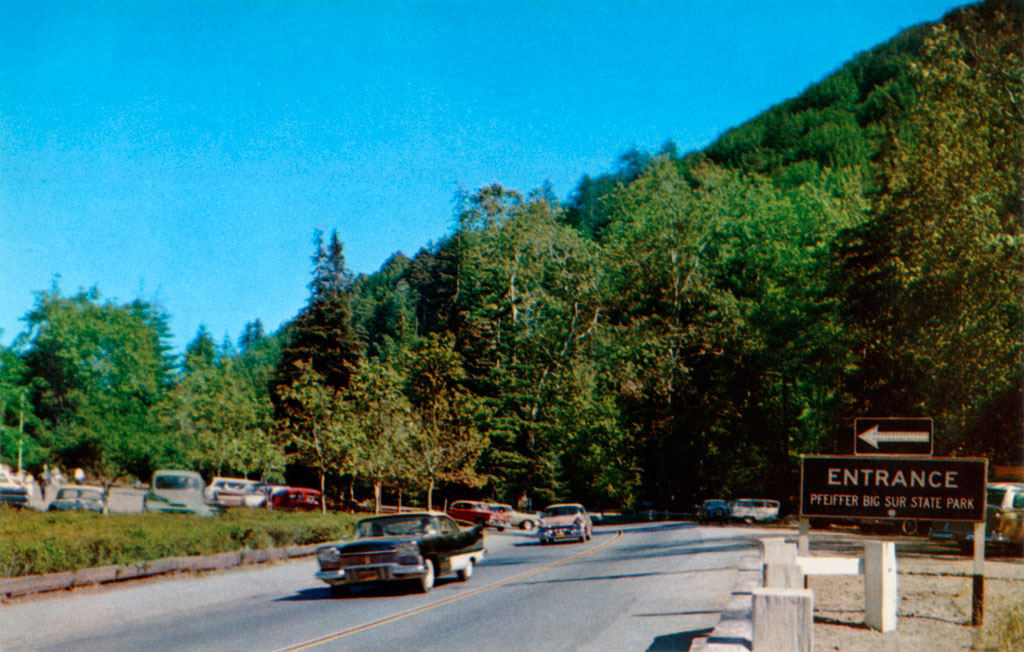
[1018,501]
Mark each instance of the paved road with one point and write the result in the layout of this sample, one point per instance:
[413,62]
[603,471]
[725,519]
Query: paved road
[653,587]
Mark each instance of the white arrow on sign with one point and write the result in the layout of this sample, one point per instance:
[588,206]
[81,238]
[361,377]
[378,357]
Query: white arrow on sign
[874,436]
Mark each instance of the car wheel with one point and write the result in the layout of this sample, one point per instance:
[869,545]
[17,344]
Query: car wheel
[427,581]
[501,528]
[908,528]
[718,513]
[466,572]
[526,525]
[339,590]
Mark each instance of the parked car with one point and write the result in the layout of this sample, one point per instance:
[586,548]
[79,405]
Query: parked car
[235,492]
[479,513]
[522,520]
[179,492]
[1004,521]
[75,497]
[414,547]
[713,509]
[751,510]
[564,521]
[12,491]
[295,498]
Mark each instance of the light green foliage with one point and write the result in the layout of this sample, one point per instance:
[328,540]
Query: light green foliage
[382,416]
[447,440]
[319,427]
[97,370]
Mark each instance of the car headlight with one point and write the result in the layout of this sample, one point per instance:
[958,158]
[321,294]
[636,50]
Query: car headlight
[328,555]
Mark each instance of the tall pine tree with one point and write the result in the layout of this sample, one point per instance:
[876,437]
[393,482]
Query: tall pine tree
[322,334]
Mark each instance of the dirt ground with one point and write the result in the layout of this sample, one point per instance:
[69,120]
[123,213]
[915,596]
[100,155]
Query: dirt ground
[935,589]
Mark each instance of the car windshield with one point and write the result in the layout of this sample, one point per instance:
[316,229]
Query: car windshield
[407,526]
[561,511]
[177,482]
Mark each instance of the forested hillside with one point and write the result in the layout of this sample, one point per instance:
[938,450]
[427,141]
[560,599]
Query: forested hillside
[685,326]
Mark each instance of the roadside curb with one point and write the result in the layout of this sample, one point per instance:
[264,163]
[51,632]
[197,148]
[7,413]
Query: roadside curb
[735,629]
[15,587]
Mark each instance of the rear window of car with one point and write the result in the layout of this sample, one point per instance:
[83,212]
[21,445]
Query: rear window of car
[996,496]
[1018,501]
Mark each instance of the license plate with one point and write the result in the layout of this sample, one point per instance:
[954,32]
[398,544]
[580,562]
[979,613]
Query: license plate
[363,575]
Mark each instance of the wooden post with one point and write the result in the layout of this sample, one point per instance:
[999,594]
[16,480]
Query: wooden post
[880,596]
[978,579]
[788,576]
[775,550]
[783,620]
[803,542]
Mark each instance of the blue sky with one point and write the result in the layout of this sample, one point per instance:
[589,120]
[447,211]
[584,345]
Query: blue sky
[184,153]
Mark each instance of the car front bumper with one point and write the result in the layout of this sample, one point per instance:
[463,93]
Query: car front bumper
[374,573]
[556,533]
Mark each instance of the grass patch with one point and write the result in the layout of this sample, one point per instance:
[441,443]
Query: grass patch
[34,543]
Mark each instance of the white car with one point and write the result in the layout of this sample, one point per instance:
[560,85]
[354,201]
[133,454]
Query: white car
[564,521]
[235,492]
[751,510]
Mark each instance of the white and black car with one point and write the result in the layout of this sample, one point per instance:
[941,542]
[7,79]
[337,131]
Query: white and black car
[413,547]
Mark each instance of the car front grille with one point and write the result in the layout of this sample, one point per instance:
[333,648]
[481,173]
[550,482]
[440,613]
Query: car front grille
[349,559]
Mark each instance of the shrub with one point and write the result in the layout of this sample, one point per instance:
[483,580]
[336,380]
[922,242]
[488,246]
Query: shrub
[34,543]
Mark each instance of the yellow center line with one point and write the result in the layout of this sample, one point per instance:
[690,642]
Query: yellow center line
[390,619]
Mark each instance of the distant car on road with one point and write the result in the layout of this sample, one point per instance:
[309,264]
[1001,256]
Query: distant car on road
[72,498]
[713,509]
[180,492]
[754,510]
[235,492]
[522,520]
[564,521]
[414,547]
[12,491]
[1004,521]
[479,513]
[295,498]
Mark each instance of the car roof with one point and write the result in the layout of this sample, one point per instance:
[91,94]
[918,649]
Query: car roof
[564,505]
[87,487]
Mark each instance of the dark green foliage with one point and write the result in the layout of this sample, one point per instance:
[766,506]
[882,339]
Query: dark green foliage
[322,335]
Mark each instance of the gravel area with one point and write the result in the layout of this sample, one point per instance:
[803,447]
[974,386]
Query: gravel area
[934,605]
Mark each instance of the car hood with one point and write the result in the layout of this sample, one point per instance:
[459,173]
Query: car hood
[374,544]
[555,521]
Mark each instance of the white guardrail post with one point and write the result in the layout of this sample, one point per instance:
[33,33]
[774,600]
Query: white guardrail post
[783,620]
[880,597]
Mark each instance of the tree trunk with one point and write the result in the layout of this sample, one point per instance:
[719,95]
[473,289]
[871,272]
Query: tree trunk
[323,494]
[376,496]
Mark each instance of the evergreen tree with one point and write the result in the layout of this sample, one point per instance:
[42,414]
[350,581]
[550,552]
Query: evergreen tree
[321,335]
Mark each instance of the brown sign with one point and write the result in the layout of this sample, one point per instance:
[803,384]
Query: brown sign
[944,489]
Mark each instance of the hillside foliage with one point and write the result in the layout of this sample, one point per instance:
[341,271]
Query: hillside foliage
[682,327]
